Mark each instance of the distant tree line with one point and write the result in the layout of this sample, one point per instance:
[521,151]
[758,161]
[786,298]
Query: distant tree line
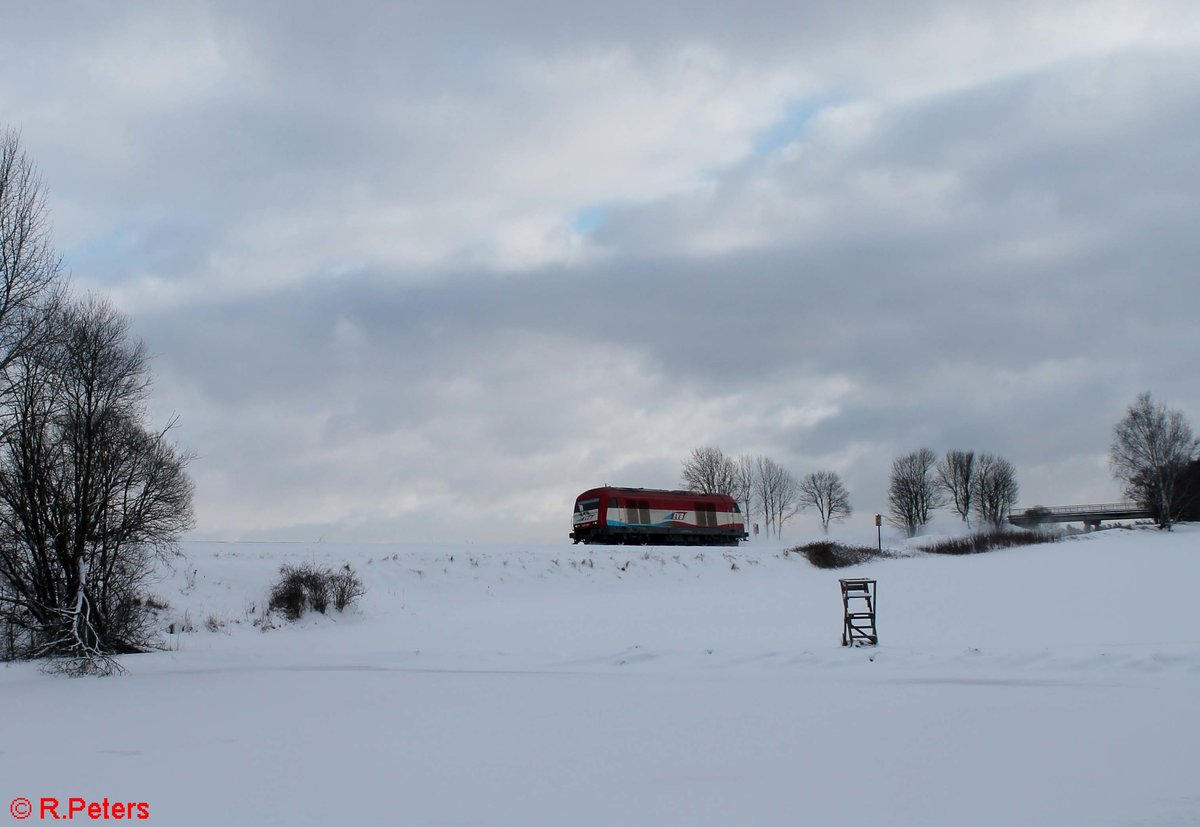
[983,486]
[90,496]
[1154,453]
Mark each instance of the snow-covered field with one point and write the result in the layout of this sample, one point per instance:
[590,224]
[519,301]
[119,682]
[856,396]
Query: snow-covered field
[560,685]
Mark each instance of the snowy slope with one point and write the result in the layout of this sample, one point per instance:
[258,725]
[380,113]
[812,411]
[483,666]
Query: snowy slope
[579,685]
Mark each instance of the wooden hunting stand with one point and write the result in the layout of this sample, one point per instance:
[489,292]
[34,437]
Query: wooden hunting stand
[858,628]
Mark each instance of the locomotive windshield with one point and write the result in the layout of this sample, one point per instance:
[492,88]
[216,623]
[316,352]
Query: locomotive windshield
[587,505]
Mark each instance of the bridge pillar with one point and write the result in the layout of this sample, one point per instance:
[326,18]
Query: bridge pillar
[1091,525]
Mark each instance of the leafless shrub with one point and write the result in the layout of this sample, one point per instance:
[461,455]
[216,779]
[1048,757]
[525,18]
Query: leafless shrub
[289,596]
[989,541]
[826,554]
[345,587]
[311,587]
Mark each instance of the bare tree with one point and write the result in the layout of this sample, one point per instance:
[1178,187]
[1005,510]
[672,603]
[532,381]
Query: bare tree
[89,497]
[912,494]
[994,489]
[777,492]
[744,476]
[955,475]
[29,265]
[709,471]
[824,491]
[1151,448]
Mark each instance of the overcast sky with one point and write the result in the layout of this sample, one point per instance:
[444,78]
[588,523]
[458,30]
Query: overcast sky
[425,271]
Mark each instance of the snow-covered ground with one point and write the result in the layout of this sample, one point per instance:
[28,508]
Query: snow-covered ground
[570,685]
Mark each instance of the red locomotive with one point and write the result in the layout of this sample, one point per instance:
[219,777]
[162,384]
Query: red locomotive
[644,516]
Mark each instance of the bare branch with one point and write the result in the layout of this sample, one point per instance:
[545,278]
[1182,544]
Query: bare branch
[955,475]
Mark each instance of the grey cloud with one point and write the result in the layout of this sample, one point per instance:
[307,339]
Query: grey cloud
[1015,305]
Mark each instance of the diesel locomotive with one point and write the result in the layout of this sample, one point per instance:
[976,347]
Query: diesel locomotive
[647,516]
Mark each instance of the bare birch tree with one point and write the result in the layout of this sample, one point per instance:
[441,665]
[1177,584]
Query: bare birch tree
[993,489]
[955,475]
[777,492]
[1151,447]
[912,494]
[824,491]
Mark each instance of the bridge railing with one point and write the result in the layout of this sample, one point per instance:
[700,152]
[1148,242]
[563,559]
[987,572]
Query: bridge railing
[1060,510]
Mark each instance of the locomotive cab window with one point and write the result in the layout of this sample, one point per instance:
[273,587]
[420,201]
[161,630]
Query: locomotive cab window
[587,505]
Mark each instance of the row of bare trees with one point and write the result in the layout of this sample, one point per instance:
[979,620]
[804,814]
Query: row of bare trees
[984,485]
[764,488]
[90,497]
[1154,453]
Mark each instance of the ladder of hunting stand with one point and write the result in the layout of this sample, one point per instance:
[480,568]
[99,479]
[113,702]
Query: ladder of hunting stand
[858,600]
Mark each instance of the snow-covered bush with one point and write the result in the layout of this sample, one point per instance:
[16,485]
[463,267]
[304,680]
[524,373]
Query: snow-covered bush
[826,554]
[345,588]
[309,586]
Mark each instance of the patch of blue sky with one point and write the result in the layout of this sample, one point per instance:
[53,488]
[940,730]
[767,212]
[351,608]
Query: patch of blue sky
[789,128]
[591,218]
[101,258]
[345,267]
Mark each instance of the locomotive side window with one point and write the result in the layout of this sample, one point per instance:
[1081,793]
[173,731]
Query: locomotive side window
[639,512]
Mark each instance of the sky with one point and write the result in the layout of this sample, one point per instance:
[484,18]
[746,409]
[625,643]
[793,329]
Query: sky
[421,272]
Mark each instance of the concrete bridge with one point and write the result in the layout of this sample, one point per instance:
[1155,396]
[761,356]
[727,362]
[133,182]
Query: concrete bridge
[1090,515]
